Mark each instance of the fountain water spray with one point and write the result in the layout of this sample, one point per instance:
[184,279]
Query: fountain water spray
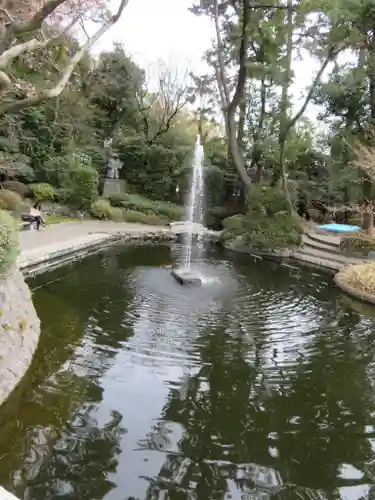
[195,205]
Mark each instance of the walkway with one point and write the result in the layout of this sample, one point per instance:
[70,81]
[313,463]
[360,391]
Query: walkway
[64,239]
[65,231]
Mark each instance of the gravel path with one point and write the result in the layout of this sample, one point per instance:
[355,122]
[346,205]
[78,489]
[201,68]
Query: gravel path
[65,231]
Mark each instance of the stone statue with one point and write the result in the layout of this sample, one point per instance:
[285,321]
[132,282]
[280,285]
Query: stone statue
[113,168]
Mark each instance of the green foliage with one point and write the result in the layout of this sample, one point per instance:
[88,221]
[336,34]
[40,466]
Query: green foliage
[267,225]
[42,192]
[141,218]
[84,181]
[235,224]
[143,205]
[8,241]
[17,187]
[277,232]
[101,209]
[9,200]
[215,217]
[267,201]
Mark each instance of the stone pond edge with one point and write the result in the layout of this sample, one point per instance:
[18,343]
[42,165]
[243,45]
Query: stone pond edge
[341,283]
[324,265]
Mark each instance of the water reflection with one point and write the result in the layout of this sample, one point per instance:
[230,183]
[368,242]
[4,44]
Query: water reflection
[260,388]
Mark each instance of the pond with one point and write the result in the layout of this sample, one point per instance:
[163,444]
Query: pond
[258,385]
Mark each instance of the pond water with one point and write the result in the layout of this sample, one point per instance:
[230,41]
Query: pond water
[259,385]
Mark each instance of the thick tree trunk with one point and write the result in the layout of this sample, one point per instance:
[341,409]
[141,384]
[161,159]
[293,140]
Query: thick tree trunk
[230,106]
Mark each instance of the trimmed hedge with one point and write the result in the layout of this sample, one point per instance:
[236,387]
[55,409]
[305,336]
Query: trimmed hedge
[138,203]
[101,209]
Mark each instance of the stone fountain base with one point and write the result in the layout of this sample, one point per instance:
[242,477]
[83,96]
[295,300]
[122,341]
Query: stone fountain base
[186,277]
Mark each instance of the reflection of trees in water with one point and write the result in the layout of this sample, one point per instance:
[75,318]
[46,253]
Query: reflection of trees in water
[299,435]
[82,312]
[78,464]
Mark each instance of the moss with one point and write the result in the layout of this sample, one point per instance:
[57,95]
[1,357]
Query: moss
[22,325]
[8,241]
[7,327]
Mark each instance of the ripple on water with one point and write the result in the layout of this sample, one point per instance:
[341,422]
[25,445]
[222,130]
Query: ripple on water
[258,384]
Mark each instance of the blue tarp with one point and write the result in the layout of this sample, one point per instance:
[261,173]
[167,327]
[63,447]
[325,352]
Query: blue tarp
[339,228]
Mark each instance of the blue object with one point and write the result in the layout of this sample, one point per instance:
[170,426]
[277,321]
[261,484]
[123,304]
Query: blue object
[339,228]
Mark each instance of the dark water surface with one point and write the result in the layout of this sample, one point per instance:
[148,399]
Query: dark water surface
[258,385]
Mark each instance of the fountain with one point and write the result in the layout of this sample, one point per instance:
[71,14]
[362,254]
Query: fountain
[194,218]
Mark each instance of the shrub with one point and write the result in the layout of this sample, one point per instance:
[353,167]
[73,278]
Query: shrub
[17,187]
[84,182]
[361,276]
[267,225]
[267,201]
[279,231]
[215,217]
[101,209]
[357,242]
[119,200]
[8,241]
[140,218]
[140,204]
[42,192]
[9,200]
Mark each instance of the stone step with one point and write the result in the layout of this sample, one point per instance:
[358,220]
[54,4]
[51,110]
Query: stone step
[317,262]
[329,256]
[326,239]
[319,245]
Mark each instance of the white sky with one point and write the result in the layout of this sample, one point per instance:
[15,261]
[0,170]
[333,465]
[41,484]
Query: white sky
[165,29]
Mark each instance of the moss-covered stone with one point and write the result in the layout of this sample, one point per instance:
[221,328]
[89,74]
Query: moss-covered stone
[9,247]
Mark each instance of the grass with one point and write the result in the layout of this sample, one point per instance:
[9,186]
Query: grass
[361,277]
[56,219]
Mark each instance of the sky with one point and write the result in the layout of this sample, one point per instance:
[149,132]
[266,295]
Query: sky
[151,30]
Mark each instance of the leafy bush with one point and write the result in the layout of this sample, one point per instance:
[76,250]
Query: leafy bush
[140,204]
[42,192]
[140,218]
[17,187]
[8,241]
[279,231]
[267,225]
[357,242]
[101,209]
[9,200]
[215,217]
[267,201]
[84,182]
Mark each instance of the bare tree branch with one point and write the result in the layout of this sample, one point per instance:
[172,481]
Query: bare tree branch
[39,96]
[9,55]
[162,107]
[37,20]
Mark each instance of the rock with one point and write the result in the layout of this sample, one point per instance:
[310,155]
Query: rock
[19,331]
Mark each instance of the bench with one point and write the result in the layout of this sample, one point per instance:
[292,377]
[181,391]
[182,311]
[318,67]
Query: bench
[26,226]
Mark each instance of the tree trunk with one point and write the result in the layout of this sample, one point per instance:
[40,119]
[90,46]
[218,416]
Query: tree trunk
[284,103]
[230,106]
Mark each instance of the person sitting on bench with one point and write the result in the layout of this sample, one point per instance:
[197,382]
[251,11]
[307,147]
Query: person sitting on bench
[34,215]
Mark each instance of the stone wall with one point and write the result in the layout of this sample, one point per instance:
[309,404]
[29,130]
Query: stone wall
[19,331]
